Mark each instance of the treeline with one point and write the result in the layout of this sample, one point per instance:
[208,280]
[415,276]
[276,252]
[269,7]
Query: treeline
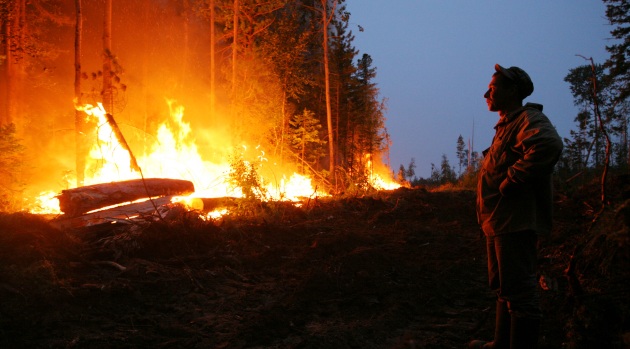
[463,174]
[599,143]
[284,72]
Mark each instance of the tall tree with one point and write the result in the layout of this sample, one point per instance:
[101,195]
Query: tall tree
[6,61]
[213,59]
[576,151]
[108,90]
[79,123]
[618,14]
[447,174]
[411,169]
[462,153]
[369,123]
[343,84]
[235,24]
[326,18]
[618,64]
[11,163]
[14,52]
[305,137]
[581,85]
[285,52]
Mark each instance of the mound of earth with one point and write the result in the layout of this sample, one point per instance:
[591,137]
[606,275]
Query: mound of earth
[398,269]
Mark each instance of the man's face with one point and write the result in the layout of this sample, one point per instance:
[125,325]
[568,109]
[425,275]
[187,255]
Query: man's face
[500,95]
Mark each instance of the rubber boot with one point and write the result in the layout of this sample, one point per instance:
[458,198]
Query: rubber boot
[524,333]
[502,328]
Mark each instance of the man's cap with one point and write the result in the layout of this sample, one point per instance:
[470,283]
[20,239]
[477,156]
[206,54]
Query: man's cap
[519,77]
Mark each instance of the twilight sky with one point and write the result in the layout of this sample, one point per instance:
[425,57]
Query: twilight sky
[435,58]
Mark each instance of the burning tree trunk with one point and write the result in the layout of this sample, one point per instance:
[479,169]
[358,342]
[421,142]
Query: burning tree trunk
[5,68]
[13,19]
[108,97]
[79,123]
[234,44]
[325,22]
[74,202]
[212,61]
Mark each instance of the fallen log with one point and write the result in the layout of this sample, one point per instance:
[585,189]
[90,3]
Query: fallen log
[109,216]
[77,201]
[211,204]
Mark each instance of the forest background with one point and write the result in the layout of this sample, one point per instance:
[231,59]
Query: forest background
[280,75]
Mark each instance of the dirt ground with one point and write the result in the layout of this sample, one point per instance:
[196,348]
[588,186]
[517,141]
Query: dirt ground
[399,269]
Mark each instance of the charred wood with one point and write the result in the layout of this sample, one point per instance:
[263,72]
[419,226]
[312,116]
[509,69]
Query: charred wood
[77,201]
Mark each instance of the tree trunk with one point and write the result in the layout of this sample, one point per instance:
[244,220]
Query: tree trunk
[331,148]
[186,45]
[234,44]
[283,125]
[108,98]
[146,7]
[79,123]
[5,73]
[212,61]
[80,200]
[13,32]
[20,58]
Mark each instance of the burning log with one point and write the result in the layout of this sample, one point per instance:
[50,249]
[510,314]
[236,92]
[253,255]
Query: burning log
[115,214]
[77,201]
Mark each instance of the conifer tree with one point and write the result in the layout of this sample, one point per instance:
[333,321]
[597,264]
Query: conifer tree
[305,138]
[462,153]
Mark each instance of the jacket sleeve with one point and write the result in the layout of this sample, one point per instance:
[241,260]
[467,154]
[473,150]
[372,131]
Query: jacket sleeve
[541,147]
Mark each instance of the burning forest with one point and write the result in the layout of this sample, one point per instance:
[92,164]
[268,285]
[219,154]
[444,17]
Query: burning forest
[213,174]
[223,94]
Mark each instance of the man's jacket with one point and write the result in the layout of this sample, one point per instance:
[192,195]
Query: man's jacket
[514,191]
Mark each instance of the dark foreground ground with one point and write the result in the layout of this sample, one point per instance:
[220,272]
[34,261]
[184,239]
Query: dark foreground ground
[401,269]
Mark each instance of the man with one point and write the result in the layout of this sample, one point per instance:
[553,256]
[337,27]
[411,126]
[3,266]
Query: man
[514,205]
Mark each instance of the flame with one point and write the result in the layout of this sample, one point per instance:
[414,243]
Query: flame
[107,155]
[46,203]
[377,180]
[174,154]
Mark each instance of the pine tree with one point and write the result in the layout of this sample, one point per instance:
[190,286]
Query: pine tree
[401,176]
[618,14]
[411,169]
[581,85]
[305,138]
[11,164]
[447,174]
[462,154]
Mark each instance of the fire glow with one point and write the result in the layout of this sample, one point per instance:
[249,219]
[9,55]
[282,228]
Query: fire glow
[174,154]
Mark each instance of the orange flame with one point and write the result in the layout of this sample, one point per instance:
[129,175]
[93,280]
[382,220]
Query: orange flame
[174,154]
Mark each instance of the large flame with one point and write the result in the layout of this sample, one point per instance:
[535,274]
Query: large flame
[174,154]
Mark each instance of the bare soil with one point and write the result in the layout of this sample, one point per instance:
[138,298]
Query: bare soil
[399,269]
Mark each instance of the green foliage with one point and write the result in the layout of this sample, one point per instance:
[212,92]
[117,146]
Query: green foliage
[447,174]
[356,184]
[401,175]
[586,145]
[11,164]
[243,175]
[405,176]
[468,179]
[618,14]
[305,138]
[462,153]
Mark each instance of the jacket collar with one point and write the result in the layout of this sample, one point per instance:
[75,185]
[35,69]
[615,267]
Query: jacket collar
[511,116]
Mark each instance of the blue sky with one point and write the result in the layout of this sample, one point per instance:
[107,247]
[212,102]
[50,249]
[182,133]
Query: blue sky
[435,58]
